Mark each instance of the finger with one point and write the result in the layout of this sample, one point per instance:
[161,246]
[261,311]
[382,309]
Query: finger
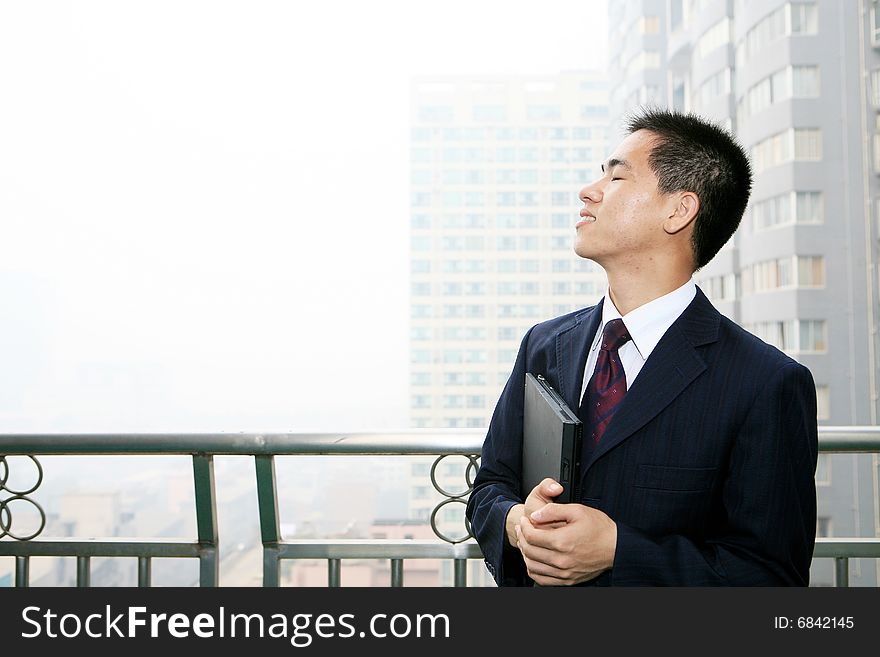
[543,580]
[542,555]
[556,513]
[546,574]
[537,536]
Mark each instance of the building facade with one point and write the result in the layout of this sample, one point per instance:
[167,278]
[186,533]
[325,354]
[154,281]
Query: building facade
[496,167]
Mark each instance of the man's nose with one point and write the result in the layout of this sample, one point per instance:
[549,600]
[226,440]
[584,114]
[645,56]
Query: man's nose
[590,193]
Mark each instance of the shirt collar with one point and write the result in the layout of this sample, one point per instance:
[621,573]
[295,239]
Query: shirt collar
[649,322]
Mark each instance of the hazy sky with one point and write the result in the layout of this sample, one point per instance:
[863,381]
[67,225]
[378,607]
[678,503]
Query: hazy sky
[204,204]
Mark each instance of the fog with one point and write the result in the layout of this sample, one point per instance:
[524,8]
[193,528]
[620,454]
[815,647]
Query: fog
[205,204]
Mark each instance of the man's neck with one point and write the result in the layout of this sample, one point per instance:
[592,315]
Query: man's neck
[629,291]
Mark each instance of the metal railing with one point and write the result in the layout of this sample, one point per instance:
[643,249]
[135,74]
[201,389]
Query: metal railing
[264,447]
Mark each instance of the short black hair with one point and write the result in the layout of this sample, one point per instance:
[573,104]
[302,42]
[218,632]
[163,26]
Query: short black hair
[693,154]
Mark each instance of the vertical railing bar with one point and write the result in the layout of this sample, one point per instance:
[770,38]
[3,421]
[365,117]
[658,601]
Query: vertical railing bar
[267,498]
[22,572]
[460,566]
[397,572]
[271,566]
[267,505]
[145,572]
[206,518]
[334,573]
[841,574]
[83,572]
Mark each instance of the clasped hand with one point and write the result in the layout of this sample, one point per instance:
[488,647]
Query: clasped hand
[564,544]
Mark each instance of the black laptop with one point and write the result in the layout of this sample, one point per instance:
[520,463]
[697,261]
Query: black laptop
[551,440]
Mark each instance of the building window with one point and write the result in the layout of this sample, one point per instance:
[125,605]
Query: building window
[720,34]
[528,243]
[507,333]
[561,220]
[875,25]
[803,18]
[812,335]
[643,60]
[421,311]
[807,144]
[560,243]
[786,209]
[528,177]
[809,208]
[810,271]
[420,401]
[792,271]
[561,287]
[823,527]
[801,144]
[560,198]
[648,25]
[420,378]
[543,112]
[823,405]
[789,82]
[715,86]
[805,81]
[528,198]
[793,19]
[453,401]
[877,153]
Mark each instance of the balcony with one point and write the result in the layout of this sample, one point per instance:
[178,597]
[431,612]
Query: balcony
[264,448]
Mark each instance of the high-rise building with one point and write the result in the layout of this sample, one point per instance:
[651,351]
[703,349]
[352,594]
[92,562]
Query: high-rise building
[496,166]
[799,83]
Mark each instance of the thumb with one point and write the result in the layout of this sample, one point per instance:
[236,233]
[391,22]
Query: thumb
[553,513]
[549,488]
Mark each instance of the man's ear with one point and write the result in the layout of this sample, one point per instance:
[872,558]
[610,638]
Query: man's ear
[684,211]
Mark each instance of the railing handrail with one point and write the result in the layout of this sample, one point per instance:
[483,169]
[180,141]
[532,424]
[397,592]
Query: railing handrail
[393,443]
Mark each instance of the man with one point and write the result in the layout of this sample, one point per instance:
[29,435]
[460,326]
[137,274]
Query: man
[700,440]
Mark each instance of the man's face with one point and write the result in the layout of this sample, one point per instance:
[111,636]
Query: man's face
[622,218]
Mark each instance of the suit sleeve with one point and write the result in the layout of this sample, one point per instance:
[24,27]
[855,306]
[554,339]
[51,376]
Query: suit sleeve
[497,486]
[765,531]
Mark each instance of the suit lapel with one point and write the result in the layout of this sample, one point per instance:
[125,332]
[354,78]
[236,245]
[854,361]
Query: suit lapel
[671,367]
[572,347]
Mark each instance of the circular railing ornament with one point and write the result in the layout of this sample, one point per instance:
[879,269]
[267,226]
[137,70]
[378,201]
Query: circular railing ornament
[453,497]
[9,495]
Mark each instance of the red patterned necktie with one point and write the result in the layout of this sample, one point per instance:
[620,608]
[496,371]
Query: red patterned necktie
[607,386]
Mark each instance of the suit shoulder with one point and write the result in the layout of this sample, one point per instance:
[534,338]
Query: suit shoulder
[753,348]
[561,323]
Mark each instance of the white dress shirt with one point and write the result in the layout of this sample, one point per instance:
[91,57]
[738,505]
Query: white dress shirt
[645,325]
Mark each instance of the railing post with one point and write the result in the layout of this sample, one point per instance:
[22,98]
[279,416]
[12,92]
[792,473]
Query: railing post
[22,572]
[267,501]
[460,566]
[397,572]
[83,574]
[334,573]
[206,519]
[841,571]
[271,563]
[144,572]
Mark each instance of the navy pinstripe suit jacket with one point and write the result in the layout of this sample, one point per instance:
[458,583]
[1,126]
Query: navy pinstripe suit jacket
[707,467]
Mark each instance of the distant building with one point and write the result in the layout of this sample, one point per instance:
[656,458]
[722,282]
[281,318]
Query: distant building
[496,166]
